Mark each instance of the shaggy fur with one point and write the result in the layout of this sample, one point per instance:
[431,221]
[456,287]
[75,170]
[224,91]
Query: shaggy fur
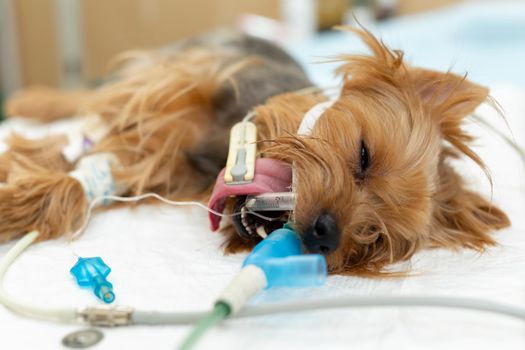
[169,119]
[46,153]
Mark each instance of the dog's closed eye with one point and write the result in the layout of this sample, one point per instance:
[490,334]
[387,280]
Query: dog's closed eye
[364,161]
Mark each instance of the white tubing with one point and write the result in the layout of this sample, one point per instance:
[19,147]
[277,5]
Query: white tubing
[156,318]
[140,197]
[56,315]
[386,301]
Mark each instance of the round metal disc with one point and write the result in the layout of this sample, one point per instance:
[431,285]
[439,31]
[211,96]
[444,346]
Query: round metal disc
[83,339]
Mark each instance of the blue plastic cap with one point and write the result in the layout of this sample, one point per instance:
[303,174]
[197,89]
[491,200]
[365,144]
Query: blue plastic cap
[281,258]
[92,272]
[104,291]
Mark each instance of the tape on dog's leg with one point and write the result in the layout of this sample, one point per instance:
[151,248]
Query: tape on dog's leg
[80,141]
[95,175]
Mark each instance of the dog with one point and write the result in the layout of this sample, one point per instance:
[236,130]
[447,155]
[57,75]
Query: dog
[373,180]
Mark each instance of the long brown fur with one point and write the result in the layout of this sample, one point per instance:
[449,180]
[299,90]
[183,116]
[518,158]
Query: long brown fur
[155,117]
[45,104]
[45,152]
[410,197]
[39,199]
[150,130]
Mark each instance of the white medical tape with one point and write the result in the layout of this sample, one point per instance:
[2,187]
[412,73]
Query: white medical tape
[80,141]
[94,174]
[312,116]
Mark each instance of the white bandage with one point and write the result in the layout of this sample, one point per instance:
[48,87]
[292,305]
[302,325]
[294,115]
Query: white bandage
[80,141]
[77,145]
[94,174]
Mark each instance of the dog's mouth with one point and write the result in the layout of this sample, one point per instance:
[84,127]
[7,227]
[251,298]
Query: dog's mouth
[271,177]
[256,225]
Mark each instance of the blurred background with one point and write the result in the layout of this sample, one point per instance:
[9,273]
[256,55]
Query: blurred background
[68,43]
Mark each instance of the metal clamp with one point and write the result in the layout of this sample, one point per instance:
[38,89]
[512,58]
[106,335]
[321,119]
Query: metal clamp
[280,201]
[106,316]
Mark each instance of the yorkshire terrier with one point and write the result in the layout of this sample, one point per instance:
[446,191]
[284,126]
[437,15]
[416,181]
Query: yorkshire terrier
[373,179]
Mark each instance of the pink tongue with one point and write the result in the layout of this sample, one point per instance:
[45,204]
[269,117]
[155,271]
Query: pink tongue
[270,176]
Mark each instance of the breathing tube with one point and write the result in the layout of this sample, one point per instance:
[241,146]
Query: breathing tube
[277,261]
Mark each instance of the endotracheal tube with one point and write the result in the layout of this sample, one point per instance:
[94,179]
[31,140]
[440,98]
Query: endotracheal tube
[277,261]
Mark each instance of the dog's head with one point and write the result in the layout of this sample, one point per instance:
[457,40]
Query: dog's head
[373,181]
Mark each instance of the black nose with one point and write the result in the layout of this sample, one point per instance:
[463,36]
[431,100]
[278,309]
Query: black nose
[322,236]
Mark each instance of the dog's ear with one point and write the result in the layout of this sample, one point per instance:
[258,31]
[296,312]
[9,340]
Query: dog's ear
[448,99]
[463,218]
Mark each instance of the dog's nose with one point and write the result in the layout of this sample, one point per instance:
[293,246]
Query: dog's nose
[322,236]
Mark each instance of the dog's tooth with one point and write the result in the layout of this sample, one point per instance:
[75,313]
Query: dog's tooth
[261,231]
[247,226]
[244,220]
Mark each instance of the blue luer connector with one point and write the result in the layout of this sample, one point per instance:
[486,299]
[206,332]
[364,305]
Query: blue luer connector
[281,258]
[92,272]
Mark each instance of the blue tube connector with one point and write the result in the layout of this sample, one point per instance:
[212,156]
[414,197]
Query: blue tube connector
[92,272]
[281,258]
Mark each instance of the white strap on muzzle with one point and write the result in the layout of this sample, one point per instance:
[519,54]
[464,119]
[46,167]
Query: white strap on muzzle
[312,116]
[307,125]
